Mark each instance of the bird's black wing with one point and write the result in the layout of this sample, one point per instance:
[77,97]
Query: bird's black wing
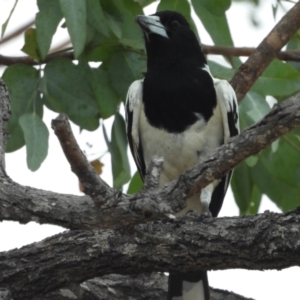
[229,108]
[132,109]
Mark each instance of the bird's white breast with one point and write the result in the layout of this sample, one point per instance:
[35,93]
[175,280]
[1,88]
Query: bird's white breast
[184,150]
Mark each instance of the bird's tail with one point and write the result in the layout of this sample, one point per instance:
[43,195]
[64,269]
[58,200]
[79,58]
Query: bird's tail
[188,286]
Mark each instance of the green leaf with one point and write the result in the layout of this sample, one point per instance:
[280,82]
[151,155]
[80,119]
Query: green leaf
[214,20]
[181,6]
[296,131]
[31,46]
[277,174]
[96,17]
[252,109]
[46,21]
[107,100]
[178,5]
[216,7]
[22,82]
[99,53]
[256,196]
[16,136]
[220,71]
[114,26]
[294,44]
[274,146]
[4,25]
[132,7]
[121,18]
[101,47]
[131,33]
[242,186]
[136,184]
[212,14]
[75,15]
[144,3]
[246,193]
[113,17]
[275,10]
[259,107]
[67,89]
[123,68]
[279,80]
[36,136]
[251,160]
[118,149]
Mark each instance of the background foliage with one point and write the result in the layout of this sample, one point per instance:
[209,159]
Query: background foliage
[72,81]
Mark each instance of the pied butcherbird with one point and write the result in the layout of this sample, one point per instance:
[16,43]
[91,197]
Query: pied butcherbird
[180,112]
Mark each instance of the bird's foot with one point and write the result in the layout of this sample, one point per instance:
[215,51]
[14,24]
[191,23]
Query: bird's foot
[197,216]
[206,211]
[192,214]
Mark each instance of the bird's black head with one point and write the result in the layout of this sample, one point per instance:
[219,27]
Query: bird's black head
[169,38]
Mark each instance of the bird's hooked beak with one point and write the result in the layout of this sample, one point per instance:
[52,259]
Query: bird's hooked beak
[152,25]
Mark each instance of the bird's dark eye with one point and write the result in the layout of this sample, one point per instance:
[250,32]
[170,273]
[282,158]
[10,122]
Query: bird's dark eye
[174,24]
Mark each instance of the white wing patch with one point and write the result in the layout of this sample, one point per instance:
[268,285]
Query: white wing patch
[229,107]
[134,98]
[227,101]
[134,95]
[133,109]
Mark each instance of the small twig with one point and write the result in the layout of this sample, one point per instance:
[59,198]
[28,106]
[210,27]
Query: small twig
[93,185]
[292,55]
[17,32]
[12,60]
[268,49]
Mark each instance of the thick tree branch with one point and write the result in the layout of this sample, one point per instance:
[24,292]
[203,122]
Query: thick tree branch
[267,50]
[122,210]
[24,204]
[282,118]
[265,241]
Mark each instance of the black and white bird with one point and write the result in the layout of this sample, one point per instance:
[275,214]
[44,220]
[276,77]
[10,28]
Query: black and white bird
[181,113]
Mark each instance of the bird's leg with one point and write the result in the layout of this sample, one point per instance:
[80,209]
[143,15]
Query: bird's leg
[205,198]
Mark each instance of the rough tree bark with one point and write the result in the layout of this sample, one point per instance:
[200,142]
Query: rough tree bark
[254,242]
[264,241]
